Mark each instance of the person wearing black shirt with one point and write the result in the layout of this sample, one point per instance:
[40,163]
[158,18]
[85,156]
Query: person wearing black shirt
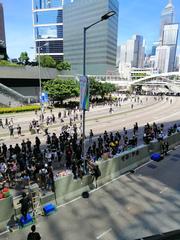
[25,203]
[33,235]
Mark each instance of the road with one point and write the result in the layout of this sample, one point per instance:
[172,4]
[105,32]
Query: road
[100,120]
[130,207]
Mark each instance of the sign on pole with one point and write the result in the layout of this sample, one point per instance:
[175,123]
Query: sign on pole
[44,97]
[84,93]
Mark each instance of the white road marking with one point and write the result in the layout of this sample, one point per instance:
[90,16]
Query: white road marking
[64,204]
[164,190]
[2,233]
[143,165]
[104,233]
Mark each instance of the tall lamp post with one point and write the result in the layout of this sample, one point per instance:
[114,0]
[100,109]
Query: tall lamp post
[39,73]
[104,17]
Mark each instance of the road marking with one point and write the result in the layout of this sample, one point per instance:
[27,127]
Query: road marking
[64,204]
[2,233]
[104,233]
[143,165]
[164,190]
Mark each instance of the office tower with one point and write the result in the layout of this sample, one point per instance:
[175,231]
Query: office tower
[164,59]
[123,53]
[101,39]
[167,17]
[133,52]
[170,35]
[2,34]
[48,27]
[154,46]
[168,41]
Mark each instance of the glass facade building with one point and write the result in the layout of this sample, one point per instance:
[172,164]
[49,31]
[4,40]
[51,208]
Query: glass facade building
[2,34]
[101,39]
[167,17]
[170,34]
[48,27]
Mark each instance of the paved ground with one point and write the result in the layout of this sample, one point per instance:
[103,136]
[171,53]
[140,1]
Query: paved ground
[133,206]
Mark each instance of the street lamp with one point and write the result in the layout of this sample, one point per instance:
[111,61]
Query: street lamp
[40,82]
[104,17]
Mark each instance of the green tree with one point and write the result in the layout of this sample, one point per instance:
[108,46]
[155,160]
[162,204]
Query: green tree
[24,58]
[60,90]
[47,61]
[63,66]
[100,89]
[107,88]
[95,87]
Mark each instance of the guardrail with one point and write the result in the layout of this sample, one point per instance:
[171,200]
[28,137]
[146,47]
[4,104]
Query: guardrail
[13,94]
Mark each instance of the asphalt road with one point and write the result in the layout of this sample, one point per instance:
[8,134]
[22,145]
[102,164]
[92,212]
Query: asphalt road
[130,207]
[100,120]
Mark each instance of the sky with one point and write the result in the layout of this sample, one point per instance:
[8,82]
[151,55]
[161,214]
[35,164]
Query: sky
[135,17]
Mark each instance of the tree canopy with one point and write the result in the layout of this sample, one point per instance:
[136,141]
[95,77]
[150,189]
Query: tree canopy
[60,90]
[47,61]
[63,66]
[101,89]
[24,58]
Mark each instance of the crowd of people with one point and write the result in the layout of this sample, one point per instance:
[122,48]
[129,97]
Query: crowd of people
[32,161]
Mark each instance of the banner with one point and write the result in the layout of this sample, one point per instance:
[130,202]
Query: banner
[84,93]
[44,97]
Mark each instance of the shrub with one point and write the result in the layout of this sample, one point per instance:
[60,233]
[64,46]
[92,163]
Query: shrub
[19,109]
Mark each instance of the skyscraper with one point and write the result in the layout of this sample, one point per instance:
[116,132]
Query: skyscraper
[132,53]
[48,27]
[163,55]
[2,34]
[166,51]
[101,39]
[167,17]
[170,34]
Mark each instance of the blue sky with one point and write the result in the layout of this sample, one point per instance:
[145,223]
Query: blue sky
[135,17]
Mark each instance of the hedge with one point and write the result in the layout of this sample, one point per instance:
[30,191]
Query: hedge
[19,109]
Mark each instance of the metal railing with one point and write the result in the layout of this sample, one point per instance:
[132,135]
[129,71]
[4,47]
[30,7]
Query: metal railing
[13,94]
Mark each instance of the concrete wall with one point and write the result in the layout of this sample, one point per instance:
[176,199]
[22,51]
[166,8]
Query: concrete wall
[173,140]
[6,211]
[67,188]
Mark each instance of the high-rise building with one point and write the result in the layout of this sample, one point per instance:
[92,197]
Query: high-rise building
[2,34]
[170,34]
[165,59]
[48,27]
[167,17]
[133,52]
[101,39]
[154,46]
[168,41]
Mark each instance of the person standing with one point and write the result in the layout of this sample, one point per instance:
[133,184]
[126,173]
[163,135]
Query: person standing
[19,130]
[11,131]
[33,235]
[25,203]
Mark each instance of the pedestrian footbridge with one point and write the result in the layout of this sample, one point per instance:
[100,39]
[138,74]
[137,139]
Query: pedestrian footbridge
[165,82]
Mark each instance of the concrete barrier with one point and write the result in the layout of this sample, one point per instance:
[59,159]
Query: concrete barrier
[6,212]
[67,188]
[173,140]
